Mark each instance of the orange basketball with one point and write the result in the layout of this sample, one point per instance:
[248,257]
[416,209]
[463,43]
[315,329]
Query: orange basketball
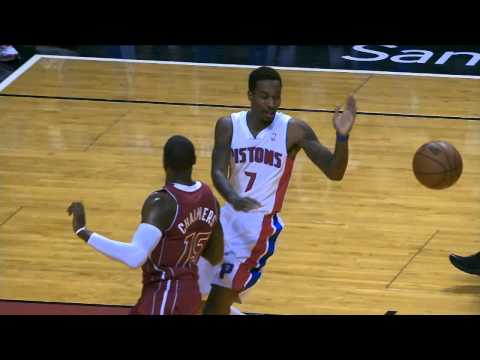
[437,165]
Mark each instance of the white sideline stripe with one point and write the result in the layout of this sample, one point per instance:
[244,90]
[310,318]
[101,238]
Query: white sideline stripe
[255,66]
[13,76]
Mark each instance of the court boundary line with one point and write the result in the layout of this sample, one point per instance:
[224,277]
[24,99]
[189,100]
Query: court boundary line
[91,305]
[283,68]
[413,257]
[64,303]
[106,130]
[355,91]
[17,73]
[11,216]
[154,102]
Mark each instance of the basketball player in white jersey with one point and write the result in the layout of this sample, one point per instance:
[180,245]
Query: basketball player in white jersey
[252,161]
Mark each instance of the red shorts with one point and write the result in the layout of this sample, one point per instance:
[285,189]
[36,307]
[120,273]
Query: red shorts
[169,297]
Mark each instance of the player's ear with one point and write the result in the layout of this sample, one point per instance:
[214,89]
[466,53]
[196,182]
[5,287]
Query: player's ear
[250,95]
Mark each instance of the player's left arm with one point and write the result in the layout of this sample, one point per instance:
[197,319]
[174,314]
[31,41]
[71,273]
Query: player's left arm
[156,215]
[302,136]
[213,251]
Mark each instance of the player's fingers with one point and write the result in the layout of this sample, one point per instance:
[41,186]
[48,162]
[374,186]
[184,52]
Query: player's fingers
[244,208]
[336,114]
[77,206]
[254,202]
[352,104]
[337,111]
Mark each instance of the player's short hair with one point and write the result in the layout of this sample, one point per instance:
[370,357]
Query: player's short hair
[262,73]
[179,153]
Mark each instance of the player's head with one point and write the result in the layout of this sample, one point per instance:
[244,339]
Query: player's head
[178,154]
[265,92]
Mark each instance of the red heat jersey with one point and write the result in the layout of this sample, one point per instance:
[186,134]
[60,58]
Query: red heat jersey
[177,253]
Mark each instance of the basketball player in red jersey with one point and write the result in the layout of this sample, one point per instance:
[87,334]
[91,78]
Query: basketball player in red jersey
[179,223]
[252,161]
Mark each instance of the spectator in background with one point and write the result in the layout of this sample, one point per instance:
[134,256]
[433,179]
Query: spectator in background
[8,53]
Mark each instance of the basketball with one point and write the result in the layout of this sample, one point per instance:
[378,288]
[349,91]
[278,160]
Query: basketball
[437,165]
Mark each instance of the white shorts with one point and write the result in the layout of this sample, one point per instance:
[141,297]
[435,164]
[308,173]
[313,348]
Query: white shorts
[250,239]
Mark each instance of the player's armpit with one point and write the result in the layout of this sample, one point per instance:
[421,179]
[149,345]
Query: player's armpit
[300,134]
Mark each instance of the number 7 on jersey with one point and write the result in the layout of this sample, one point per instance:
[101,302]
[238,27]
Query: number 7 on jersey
[252,177]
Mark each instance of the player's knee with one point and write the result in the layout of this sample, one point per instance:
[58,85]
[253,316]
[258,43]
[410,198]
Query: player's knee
[215,306]
[219,301]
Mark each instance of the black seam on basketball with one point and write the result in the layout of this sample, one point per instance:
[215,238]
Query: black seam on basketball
[436,186]
[450,165]
[433,159]
[459,162]
[432,173]
[440,185]
[448,175]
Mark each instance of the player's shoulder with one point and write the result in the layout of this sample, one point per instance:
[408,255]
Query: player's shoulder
[159,198]
[225,121]
[298,130]
[206,188]
[207,191]
[223,128]
[159,209]
[297,124]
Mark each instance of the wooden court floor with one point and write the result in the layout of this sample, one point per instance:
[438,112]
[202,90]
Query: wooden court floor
[377,241]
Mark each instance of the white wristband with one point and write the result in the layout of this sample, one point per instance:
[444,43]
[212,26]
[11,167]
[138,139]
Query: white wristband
[81,229]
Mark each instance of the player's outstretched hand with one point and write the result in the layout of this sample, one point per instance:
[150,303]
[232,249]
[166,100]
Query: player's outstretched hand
[78,211]
[343,122]
[245,204]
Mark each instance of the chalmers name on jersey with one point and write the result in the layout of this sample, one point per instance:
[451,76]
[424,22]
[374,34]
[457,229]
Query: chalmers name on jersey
[177,253]
[259,166]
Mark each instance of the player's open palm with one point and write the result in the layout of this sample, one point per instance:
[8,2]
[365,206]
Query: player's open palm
[343,122]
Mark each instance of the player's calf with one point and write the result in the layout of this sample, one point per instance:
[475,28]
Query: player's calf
[219,301]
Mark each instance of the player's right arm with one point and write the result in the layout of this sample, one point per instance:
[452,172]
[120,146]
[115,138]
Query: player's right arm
[157,214]
[220,166]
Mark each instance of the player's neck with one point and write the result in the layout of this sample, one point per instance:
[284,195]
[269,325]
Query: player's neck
[184,178]
[254,123]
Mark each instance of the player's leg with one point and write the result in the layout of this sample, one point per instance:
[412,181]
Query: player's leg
[220,300]
[246,253]
[145,304]
[186,299]
[206,273]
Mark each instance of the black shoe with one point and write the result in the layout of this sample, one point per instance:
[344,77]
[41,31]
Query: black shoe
[469,264]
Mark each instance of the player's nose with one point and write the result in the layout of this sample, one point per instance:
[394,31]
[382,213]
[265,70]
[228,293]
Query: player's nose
[271,104]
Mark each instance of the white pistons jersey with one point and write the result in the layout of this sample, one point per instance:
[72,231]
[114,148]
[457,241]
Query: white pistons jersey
[259,166]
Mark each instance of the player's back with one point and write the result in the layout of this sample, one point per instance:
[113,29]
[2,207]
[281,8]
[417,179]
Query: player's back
[176,256]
